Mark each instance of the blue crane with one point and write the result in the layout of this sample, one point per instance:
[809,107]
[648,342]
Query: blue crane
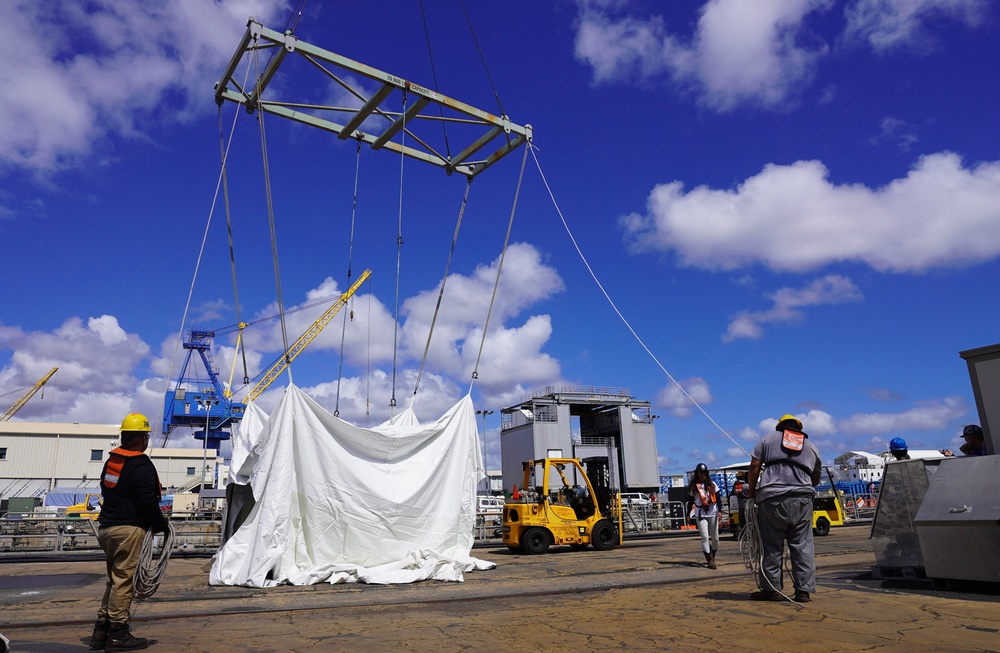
[200,403]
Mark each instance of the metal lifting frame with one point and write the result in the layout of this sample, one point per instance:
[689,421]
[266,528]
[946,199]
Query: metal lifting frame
[258,37]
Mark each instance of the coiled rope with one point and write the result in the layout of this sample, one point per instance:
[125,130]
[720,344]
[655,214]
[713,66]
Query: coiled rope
[149,573]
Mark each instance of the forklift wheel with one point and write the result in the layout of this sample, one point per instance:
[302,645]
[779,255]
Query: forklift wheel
[535,540]
[603,536]
[822,527]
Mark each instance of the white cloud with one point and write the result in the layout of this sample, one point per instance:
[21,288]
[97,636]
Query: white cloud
[792,218]
[741,52]
[96,362]
[814,422]
[897,132]
[888,24]
[831,289]
[671,397]
[79,73]
[935,415]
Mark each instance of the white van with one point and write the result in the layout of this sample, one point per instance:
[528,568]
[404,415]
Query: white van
[490,506]
[635,499]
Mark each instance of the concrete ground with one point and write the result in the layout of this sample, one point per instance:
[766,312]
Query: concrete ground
[650,595]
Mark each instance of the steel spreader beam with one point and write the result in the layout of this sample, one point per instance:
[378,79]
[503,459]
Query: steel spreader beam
[372,122]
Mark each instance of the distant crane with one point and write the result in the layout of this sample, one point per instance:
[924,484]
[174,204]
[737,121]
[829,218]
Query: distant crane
[201,403]
[28,395]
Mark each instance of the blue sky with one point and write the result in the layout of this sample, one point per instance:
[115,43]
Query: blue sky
[794,203]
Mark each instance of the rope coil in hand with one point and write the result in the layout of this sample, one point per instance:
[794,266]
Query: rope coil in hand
[149,573]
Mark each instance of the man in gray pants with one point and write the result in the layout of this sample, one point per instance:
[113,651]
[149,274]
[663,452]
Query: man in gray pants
[784,494]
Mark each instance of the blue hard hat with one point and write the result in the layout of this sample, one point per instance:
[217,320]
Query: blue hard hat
[897,444]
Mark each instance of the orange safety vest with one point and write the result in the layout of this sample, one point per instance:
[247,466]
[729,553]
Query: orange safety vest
[113,468]
[706,498]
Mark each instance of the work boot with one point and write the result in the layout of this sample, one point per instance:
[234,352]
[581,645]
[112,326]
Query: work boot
[120,638]
[100,636]
[711,565]
[710,561]
[801,596]
[766,595]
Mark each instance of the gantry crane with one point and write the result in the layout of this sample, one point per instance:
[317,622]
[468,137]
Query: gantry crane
[28,395]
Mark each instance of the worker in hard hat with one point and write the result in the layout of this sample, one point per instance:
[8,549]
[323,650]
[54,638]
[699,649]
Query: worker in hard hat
[898,449]
[131,490]
[704,497]
[784,493]
[975,443]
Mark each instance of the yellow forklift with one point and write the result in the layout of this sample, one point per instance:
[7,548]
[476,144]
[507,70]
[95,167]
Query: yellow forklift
[562,501]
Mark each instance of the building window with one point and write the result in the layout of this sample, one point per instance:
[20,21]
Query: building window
[3,453]
[190,471]
[96,455]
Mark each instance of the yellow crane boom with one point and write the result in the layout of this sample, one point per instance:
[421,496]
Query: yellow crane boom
[306,338]
[28,395]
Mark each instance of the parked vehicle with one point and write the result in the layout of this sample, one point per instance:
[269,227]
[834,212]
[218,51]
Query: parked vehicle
[635,498]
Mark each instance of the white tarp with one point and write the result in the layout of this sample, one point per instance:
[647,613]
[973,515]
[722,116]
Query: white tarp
[338,503]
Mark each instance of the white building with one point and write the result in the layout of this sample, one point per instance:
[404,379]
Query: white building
[36,457]
[859,466]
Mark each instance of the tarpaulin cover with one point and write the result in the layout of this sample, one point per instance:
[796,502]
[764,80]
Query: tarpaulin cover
[338,503]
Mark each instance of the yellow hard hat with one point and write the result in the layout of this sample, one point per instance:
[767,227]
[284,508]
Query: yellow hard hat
[135,422]
[788,418]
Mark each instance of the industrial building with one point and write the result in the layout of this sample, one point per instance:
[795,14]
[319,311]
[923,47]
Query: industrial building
[609,421]
[37,457]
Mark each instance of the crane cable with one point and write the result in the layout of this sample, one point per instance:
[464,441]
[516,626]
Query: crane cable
[270,211]
[201,253]
[618,312]
[482,58]
[350,259]
[430,54]
[496,283]
[399,253]
[232,257]
[444,280]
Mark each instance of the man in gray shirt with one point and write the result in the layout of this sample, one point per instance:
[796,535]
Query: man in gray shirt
[784,495]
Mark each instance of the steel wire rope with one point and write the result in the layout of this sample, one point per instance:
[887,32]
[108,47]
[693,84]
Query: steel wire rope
[232,252]
[444,280]
[350,260]
[482,57]
[618,312]
[496,282]
[399,253]
[258,92]
[430,54]
[201,253]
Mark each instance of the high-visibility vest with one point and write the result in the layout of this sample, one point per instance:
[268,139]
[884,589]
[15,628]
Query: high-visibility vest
[706,497]
[113,468]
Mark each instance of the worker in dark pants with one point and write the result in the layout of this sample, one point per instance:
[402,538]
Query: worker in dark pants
[784,495]
[131,490]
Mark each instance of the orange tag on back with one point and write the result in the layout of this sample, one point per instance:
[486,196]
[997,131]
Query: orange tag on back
[792,440]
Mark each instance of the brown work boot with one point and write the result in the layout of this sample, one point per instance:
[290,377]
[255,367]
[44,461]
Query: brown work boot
[766,595]
[801,596]
[120,638]
[710,561]
[100,635]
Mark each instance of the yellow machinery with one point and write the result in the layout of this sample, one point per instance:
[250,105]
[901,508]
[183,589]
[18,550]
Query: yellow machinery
[89,508]
[827,511]
[562,501]
[28,395]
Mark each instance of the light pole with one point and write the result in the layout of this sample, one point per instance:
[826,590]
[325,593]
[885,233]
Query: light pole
[486,465]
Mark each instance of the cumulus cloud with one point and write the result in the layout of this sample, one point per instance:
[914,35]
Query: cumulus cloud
[934,415]
[671,397]
[896,132]
[890,24]
[792,218]
[96,360]
[814,422]
[79,73]
[755,53]
[788,302]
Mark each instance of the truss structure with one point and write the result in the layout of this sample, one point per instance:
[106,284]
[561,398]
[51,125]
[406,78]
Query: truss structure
[371,121]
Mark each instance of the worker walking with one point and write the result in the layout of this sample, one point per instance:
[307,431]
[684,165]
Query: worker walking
[131,490]
[704,497]
[784,496]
